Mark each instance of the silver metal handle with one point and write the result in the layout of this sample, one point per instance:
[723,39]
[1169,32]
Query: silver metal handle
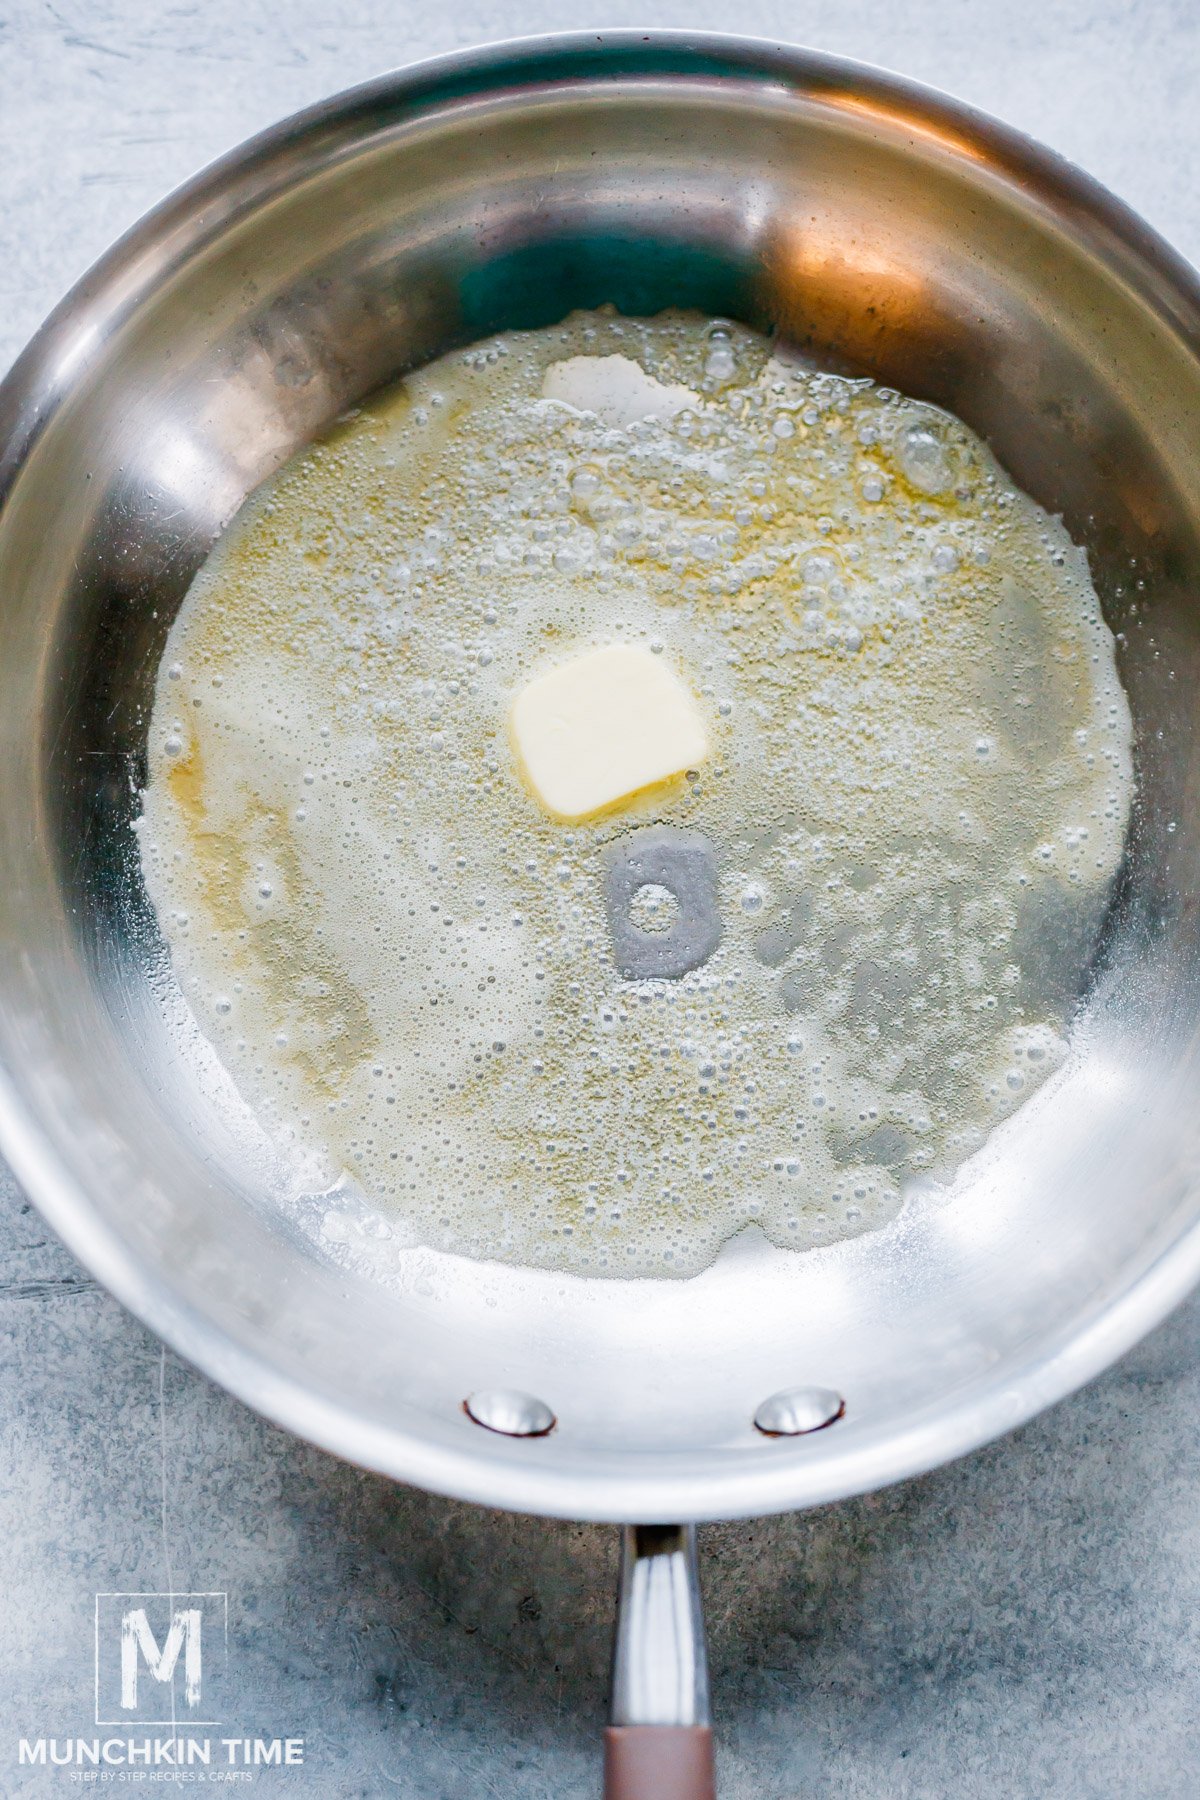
[659,1745]
[660,1664]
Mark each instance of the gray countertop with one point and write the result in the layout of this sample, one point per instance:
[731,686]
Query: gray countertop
[1023,1623]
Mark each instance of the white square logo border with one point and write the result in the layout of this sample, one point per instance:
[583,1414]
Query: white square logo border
[212,1604]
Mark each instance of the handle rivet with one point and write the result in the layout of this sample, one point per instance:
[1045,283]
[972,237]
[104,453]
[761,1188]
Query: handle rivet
[510,1412]
[794,1411]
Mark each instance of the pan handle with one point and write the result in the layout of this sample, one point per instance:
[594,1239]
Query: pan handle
[659,1745]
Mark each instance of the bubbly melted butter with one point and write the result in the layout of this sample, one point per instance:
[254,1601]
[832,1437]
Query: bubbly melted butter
[916,796]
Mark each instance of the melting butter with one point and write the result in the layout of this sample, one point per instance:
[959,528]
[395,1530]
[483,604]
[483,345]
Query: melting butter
[918,777]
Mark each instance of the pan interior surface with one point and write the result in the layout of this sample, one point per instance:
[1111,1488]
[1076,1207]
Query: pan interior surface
[889,233]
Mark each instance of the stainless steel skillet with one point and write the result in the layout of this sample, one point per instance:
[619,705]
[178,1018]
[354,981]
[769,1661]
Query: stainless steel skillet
[879,224]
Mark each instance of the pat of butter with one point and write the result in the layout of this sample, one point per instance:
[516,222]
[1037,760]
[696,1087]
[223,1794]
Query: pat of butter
[615,388]
[602,727]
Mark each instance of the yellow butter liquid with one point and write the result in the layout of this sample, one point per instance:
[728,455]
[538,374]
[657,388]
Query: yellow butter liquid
[917,792]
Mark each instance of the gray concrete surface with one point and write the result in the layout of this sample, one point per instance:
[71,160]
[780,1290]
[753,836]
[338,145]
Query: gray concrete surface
[1025,1623]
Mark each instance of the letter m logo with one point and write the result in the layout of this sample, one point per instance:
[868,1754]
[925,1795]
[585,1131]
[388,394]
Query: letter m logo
[160,1658]
[139,1644]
